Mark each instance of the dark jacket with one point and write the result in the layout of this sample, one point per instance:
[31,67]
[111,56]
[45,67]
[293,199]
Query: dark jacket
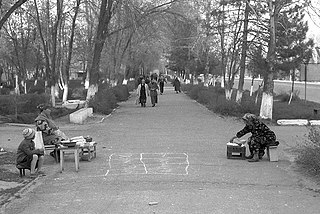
[259,131]
[25,152]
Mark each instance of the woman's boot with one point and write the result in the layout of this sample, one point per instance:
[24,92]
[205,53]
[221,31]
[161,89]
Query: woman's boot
[255,157]
[251,154]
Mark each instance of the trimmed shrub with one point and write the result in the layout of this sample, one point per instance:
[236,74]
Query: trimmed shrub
[131,85]
[308,157]
[195,91]
[25,103]
[104,101]
[39,88]
[121,92]
[4,91]
[227,108]
[285,97]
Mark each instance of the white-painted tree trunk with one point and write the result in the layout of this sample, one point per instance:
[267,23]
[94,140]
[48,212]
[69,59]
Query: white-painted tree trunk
[291,95]
[65,93]
[266,106]
[56,90]
[239,96]
[251,90]
[24,84]
[92,90]
[17,90]
[228,94]
[222,83]
[86,82]
[53,97]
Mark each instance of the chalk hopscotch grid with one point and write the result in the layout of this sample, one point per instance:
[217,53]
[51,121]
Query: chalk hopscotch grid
[166,156]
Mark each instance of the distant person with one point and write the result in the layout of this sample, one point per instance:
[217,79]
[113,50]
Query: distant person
[142,93]
[261,136]
[27,156]
[154,92]
[176,84]
[161,82]
[147,80]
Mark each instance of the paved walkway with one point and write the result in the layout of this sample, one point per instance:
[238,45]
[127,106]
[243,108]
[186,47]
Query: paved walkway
[169,159]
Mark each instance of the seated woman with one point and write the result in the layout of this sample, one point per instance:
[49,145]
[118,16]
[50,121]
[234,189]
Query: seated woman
[51,133]
[27,156]
[261,136]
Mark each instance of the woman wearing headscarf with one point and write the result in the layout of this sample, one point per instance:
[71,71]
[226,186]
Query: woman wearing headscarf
[261,136]
[27,156]
[142,93]
[51,133]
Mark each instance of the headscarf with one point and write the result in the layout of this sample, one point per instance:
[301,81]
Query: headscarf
[251,118]
[28,133]
[45,116]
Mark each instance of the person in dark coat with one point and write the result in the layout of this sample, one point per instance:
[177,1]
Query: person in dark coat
[27,156]
[161,82]
[176,84]
[142,93]
[51,133]
[154,92]
[261,136]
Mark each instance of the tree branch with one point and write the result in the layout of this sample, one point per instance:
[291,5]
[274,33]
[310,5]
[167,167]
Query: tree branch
[10,11]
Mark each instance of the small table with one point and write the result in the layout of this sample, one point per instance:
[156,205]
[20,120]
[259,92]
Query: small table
[65,149]
[89,148]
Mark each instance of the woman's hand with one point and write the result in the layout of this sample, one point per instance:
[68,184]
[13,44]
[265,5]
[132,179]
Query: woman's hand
[231,140]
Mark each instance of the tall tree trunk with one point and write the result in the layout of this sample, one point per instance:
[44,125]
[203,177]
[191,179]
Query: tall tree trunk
[292,86]
[89,43]
[243,53]
[68,62]
[223,66]
[267,95]
[101,35]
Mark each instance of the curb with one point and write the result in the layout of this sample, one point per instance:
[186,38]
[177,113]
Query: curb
[298,122]
[18,194]
[20,124]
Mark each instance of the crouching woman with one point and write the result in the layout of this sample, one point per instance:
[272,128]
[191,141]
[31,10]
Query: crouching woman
[27,156]
[261,136]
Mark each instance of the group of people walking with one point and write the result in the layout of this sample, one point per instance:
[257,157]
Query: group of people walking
[150,88]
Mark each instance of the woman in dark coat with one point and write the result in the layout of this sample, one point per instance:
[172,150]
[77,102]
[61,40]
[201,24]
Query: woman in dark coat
[51,133]
[142,93]
[161,81]
[261,136]
[154,92]
[176,84]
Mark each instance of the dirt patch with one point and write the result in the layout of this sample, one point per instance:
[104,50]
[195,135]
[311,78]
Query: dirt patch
[10,181]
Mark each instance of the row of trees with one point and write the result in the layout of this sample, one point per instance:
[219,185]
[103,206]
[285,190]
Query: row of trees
[47,38]
[230,37]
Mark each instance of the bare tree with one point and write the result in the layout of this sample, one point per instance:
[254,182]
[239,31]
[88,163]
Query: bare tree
[10,11]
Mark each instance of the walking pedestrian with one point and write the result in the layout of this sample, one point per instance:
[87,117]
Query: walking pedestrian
[154,92]
[261,136]
[161,81]
[176,84]
[142,93]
